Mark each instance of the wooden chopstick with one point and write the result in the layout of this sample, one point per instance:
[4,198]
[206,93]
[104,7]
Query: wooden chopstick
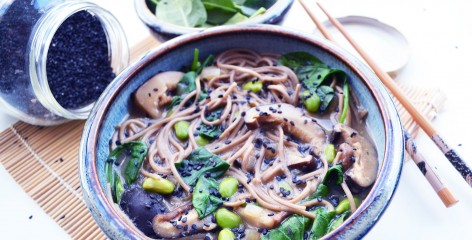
[459,164]
[431,176]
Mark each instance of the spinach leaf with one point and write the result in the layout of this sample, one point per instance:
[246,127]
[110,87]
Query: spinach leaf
[187,13]
[195,63]
[201,162]
[119,189]
[236,18]
[256,4]
[211,131]
[208,61]
[321,222]
[291,228]
[187,83]
[326,94]
[132,154]
[175,101]
[335,223]
[295,60]
[346,102]
[335,171]
[203,200]
[321,191]
[220,11]
[313,73]
[314,76]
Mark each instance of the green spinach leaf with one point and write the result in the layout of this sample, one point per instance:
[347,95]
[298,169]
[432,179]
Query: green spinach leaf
[321,222]
[346,102]
[208,61]
[291,228]
[326,94]
[211,131]
[132,154]
[313,74]
[295,60]
[204,202]
[321,191]
[335,172]
[201,162]
[220,11]
[187,13]
[187,83]
[195,63]
[335,223]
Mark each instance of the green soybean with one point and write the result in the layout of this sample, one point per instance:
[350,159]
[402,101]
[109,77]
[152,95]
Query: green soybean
[227,219]
[161,186]
[254,86]
[344,205]
[286,186]
[311,100]
[226,234]
[201,141]
[330,153]
[228,187]
[181,130]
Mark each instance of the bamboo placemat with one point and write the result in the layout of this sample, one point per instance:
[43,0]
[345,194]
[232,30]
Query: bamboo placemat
[43,160]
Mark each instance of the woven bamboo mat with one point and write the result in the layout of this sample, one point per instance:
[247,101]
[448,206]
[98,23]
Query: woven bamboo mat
[43,161]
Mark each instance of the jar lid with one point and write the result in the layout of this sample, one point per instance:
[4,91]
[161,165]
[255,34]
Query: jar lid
[384,43]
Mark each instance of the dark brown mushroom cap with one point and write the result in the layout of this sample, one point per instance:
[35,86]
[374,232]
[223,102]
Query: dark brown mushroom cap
[292,119]
[153,93]
[365,167]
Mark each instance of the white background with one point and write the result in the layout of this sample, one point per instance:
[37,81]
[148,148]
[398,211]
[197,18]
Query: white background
[440,38]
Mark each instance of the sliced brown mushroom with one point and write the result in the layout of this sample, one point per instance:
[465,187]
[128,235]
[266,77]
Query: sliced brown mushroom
[347,157]
[296,159]
[292,119]
[152,95]
[260,217]
[365,167]
[181,221]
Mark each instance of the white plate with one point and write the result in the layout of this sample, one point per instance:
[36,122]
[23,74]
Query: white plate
[385,44]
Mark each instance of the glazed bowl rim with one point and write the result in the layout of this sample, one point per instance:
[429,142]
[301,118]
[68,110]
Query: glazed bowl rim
[357,225]
[277,10]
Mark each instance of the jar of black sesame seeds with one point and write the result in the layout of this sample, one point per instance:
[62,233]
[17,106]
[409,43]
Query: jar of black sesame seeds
[56,58]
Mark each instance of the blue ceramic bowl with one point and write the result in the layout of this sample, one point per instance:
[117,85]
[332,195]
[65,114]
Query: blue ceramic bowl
[112,108]
[273,15]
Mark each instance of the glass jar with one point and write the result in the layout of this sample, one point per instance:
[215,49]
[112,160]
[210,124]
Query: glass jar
[52,56]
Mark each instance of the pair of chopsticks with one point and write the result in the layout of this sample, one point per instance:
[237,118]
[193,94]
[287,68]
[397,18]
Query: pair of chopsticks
[432,177]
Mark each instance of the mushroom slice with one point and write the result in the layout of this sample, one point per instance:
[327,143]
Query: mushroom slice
[364,169]
[296,159]
[260,217]
[292,119]
[347,157]
[181,221]
[153,93]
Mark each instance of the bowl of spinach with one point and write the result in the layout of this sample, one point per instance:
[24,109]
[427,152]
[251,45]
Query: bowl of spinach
[177,17]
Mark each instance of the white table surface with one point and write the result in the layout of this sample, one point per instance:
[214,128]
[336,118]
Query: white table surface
[440,37]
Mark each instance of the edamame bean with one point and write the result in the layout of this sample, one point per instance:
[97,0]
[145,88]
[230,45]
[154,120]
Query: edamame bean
[228,187]
[181,130]
[226,234]
[287,188]
[227,219]
[330,153]
[201,141]
[344,205]
[254,86]
[312,101]
[161,186]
